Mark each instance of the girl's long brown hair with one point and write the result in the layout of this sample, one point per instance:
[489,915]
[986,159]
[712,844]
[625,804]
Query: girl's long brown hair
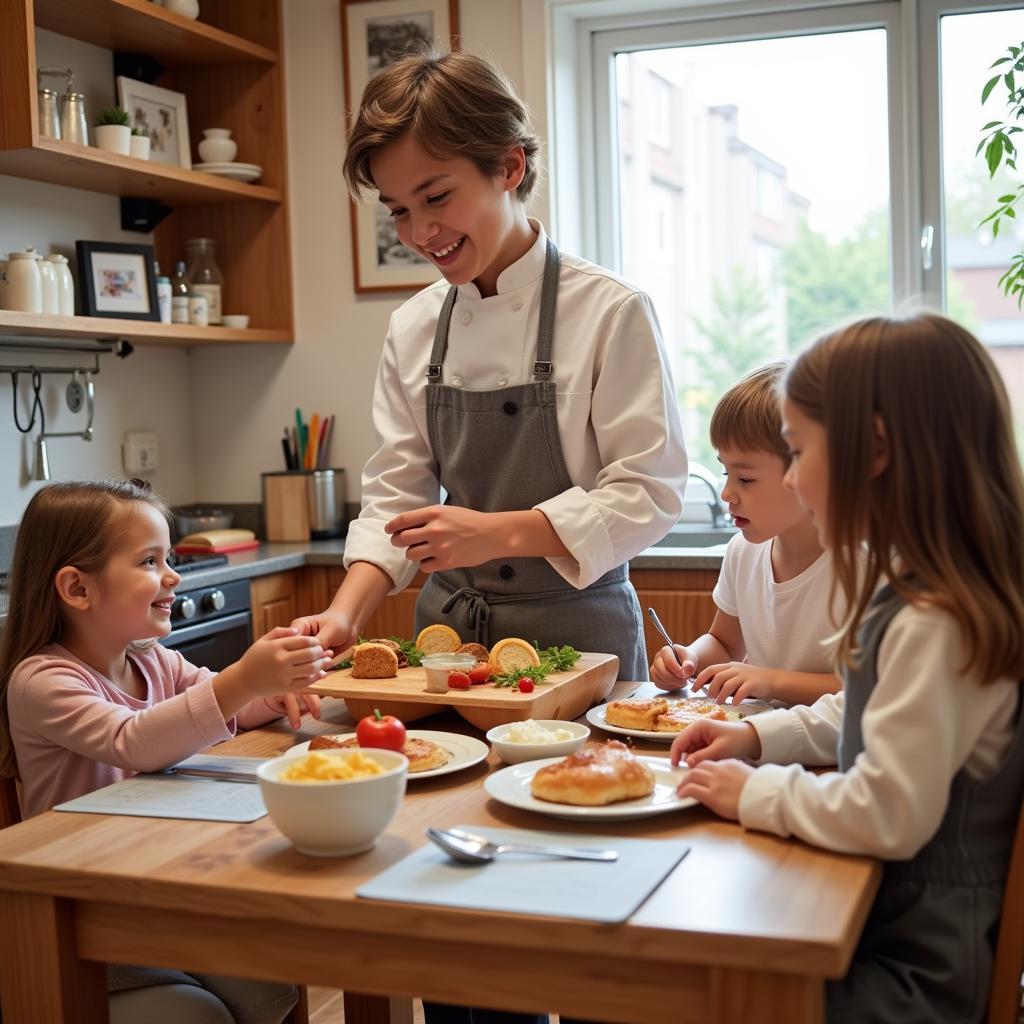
[64,524]
[944,521]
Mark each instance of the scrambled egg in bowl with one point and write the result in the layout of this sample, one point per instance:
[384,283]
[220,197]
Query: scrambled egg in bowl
[335,768]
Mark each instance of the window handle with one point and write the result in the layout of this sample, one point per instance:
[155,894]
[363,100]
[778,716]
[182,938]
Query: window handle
[927,238]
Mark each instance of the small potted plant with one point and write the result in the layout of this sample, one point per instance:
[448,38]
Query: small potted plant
[113,130]
[139,145]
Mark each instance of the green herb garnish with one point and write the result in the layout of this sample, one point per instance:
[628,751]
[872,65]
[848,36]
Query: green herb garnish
[552,659]
[410,650]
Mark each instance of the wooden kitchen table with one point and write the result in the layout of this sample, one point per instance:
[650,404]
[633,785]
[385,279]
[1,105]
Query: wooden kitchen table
[747,927]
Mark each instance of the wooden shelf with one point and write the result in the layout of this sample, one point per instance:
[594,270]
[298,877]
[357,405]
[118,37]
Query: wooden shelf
[95,170]
[140,332]
[140,26]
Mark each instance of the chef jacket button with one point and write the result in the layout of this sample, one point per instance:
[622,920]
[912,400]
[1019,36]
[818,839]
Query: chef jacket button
[506,572]
[517,303]
[510,408]
[466,317]
[457,381]
[502,379]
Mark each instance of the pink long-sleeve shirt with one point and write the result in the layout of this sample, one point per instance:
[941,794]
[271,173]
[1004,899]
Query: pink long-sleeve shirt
[74,731]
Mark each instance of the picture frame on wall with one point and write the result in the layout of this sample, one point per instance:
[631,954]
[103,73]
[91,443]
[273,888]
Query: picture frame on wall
[164,115]
[374,33]
[117,279]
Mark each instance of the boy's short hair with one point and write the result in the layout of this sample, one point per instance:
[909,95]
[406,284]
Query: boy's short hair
[747,416]
[454,103]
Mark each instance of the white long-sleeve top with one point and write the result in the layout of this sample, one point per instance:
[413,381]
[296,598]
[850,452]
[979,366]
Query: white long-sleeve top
[924,721]
[618,420]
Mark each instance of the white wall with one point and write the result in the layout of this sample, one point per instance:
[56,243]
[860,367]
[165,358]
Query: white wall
[219,412]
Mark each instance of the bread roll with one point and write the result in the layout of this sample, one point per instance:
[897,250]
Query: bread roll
[477,650]
[403,661]
[598,774]
[374,661]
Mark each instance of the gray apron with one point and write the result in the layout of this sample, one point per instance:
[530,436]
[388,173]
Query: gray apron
[928,944]
[499,451]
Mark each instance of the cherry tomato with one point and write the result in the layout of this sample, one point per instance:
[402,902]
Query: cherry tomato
[458,681]
[379,730]
[480,674]
[525,685]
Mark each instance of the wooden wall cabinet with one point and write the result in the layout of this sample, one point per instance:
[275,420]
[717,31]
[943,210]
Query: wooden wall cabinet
[229,66]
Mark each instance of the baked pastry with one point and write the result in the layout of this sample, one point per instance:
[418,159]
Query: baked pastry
[423,755]
[438,639]
[640,713]
[690,709]
[512,653]
[477,650]
[597,774]
[373,661]
[403,661]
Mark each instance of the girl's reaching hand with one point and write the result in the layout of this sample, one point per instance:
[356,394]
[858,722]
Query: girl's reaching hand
[283,661]
[713,740]
[293,705]
[738,680]
[670,673]
[718,785]
[445,537]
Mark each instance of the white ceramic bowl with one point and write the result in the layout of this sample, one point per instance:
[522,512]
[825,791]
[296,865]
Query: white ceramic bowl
[238,321]
[334,819]
[516,753]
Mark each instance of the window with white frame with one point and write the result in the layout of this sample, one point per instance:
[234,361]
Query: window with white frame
[803,193]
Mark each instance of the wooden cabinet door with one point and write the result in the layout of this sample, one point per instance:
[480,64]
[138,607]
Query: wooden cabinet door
[275,601]
[682,599]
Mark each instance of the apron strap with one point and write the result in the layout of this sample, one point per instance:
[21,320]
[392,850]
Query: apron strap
[542,367]
[479,611]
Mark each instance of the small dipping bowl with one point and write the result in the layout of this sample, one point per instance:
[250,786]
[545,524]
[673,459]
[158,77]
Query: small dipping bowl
[517,753]
[237,321]
[437,667]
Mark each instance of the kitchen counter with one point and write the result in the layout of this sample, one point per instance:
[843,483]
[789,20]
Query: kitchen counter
[269,558]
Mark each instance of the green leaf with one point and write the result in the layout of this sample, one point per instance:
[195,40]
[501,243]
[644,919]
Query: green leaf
[989,86]
[1008,79]
[995,228]
[994,154]
[1010,212]
[1002,60]
[1007,199]
[990,125]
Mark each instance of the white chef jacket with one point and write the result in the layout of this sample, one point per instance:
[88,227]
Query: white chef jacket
[923,722]
[617,412]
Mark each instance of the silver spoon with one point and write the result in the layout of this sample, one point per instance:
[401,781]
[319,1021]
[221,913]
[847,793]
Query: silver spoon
[471,849]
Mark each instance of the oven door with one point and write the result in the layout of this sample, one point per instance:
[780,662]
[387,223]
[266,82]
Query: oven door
[214,644]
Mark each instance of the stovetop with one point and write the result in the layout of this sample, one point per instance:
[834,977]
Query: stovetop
[191,563]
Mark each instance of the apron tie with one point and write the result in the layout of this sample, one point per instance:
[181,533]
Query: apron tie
[479,610]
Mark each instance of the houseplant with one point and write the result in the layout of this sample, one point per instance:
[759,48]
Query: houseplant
[113,130]
[997,143]
[139,143]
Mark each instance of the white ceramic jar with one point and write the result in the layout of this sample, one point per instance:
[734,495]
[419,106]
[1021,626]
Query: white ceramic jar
[65,284]
[217,147]
[48,280]
[24,284]
[186,8]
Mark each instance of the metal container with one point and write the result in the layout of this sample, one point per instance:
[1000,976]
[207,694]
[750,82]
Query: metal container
[197,519]
[325,494]
[49,114]
[73,125]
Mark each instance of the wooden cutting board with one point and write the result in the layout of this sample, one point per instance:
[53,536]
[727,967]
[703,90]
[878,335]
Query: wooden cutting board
[564,695]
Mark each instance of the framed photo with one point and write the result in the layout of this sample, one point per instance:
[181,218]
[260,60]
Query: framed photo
[117,279]
[375,33]
[165,116]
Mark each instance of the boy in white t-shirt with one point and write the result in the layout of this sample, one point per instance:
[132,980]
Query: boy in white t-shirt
[774,589]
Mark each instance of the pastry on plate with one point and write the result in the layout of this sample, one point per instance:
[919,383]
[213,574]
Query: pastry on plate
[682,713]
[423,755]
[640,713]
[403,661]
[374,661]
[477,650]
[597,774]
[438,639]
[512,653]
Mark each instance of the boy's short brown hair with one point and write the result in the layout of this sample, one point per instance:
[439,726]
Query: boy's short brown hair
[747,416]
[455,104]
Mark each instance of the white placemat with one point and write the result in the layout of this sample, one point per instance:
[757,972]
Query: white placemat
[528,884]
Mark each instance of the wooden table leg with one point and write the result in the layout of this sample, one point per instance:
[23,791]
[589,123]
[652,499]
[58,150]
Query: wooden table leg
[41,977]
[738,997]
[362,1009]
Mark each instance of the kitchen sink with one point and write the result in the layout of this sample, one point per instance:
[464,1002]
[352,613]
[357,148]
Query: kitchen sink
[693,535]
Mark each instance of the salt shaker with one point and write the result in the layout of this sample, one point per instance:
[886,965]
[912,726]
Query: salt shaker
[65,284]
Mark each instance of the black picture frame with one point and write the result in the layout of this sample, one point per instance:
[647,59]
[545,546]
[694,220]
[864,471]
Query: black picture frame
[130,291]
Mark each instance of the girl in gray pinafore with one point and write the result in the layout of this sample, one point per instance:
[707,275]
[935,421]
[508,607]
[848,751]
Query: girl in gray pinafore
[904,454]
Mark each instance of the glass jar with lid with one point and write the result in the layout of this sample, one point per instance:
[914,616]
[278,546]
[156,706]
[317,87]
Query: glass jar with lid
[204,276]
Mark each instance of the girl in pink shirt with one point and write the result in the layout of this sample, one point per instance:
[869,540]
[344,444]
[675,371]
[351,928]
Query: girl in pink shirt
[88,697]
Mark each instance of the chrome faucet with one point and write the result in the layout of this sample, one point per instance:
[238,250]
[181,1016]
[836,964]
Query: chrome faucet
[719,512]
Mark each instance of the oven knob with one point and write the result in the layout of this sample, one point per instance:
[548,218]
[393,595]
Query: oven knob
[184,608]
[213,601]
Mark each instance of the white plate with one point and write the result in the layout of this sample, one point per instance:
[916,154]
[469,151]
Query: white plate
[595,716]
[227,165]
[512,786]
[233,171]
[465,750]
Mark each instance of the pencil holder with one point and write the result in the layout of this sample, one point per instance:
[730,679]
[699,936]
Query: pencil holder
[304,504]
